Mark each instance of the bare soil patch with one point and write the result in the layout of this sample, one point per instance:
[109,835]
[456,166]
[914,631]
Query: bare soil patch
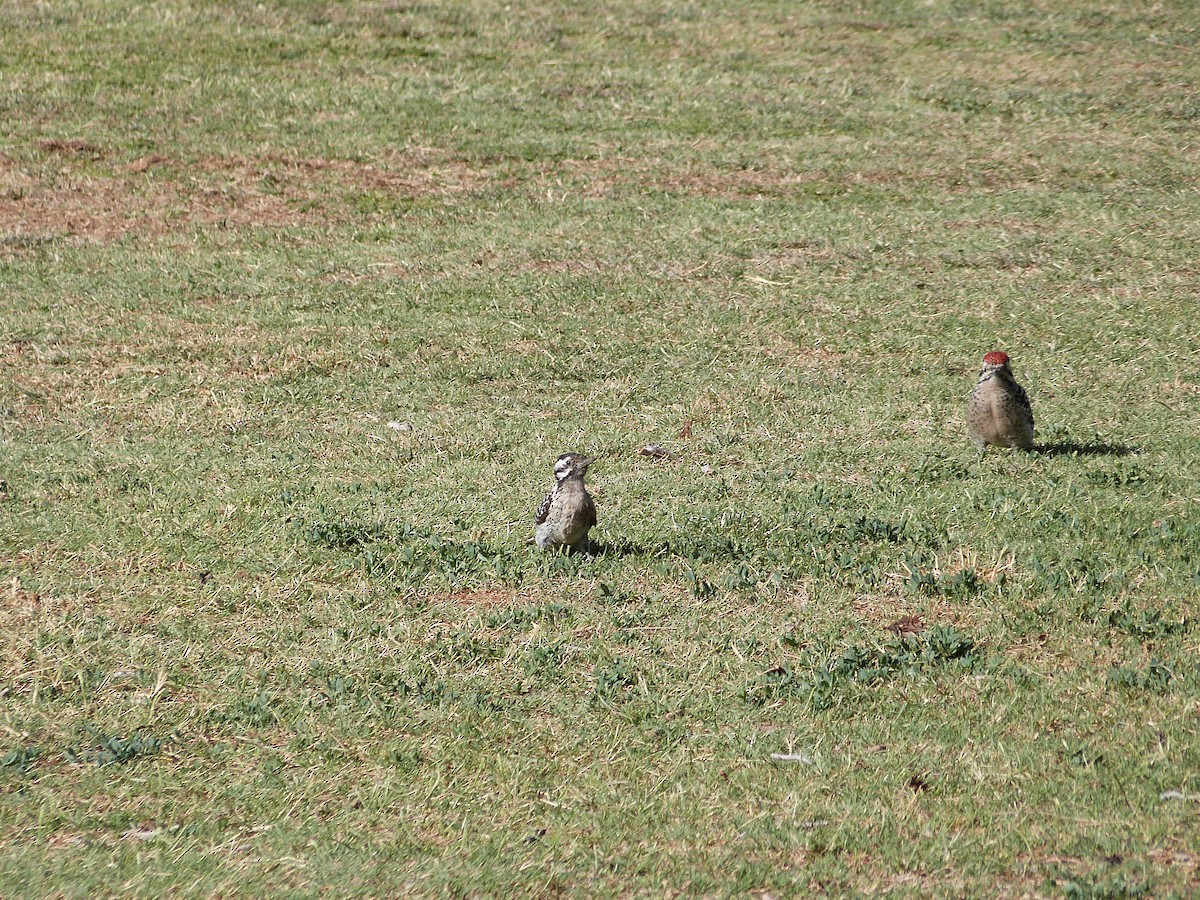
[155,195]
[71,148]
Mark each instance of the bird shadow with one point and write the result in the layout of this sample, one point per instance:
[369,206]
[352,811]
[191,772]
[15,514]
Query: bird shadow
[1090,448]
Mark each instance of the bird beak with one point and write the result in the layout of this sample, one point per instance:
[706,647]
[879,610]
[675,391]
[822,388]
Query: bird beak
[591,459]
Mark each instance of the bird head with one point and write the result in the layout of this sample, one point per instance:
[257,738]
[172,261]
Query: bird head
[571,464]
[997,359]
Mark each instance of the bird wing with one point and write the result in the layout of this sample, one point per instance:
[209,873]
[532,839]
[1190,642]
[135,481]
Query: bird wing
[591,513]
[1023,399]
[544,509]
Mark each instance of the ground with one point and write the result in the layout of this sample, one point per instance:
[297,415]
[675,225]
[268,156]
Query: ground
[299,301]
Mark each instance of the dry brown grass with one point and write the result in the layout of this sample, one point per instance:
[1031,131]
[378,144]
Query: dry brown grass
[155,195]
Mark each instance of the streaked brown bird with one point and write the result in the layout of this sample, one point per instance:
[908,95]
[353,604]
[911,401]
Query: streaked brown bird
[567,513]
[998,411]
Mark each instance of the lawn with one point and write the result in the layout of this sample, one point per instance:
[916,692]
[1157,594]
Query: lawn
[300,300]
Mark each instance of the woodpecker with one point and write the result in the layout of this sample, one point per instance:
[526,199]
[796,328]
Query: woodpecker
[998,411]
[568,512]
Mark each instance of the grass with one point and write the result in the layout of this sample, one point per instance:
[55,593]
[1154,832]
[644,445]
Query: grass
[257,641]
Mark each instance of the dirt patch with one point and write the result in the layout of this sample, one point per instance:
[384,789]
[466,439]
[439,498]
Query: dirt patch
[79,192]
[142,163]
[156,195]
[902,615]
[71,148]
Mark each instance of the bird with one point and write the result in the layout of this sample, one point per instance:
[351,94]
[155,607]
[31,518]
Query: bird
[998,411]
[567,513]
